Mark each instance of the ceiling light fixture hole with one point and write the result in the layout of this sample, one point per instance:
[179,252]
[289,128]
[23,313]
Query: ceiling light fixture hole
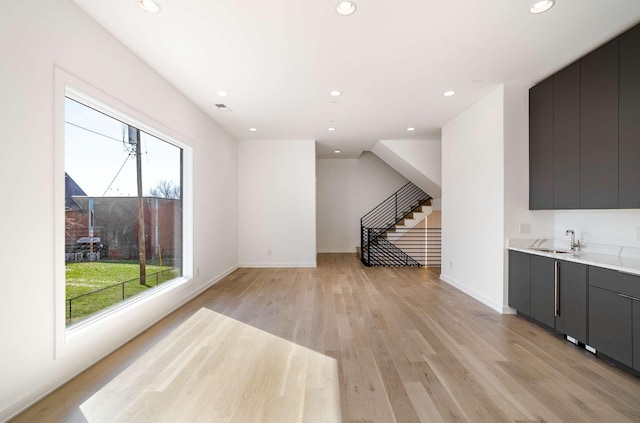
[541,6]
[346,8]
[149,6]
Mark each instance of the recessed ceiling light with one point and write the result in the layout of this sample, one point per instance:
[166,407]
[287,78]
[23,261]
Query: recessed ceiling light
[448,93]
[336,151]
[335,93]
[253,130]
[331,129]
[222,93]
[150,6]
[411,129]
[541,6]
[346,8]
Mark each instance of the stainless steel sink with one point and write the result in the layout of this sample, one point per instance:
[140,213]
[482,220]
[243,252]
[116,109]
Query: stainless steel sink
[552,250]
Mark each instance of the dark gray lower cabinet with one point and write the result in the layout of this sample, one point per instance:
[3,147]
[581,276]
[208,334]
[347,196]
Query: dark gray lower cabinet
[519,282]
[571,316]
[552,292]
[636,335]
[610,324]
[543,290]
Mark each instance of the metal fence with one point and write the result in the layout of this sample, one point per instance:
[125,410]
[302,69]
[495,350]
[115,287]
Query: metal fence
[84,305]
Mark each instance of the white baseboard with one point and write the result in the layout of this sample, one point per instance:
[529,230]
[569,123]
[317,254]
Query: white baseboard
[276,265]
[337,251]
[208,285]
[483,299]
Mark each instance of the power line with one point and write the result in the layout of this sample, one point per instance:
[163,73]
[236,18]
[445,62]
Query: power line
[114,178]
[92,131]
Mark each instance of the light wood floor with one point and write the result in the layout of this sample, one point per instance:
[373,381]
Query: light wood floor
[342,340]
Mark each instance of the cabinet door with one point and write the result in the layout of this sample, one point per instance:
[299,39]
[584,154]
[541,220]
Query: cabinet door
[629,171]
[541,146]
[610,318]
[636,335]
[572,312]
[519,284]
[566,138]
[543,290]
[599,127]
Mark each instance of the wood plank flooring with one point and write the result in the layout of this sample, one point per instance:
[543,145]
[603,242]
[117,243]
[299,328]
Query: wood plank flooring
[343,341]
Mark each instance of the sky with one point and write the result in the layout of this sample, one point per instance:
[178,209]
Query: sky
[93,160]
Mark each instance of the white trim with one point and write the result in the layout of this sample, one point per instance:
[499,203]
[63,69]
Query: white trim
[484,300]
[276,265]
[66,85]
[207,285]
[337,251]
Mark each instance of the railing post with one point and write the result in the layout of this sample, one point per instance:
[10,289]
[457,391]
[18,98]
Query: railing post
[122,290]
[368,246]
[70,309]
[361,242]
[395,218]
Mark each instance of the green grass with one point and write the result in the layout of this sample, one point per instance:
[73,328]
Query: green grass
[85,278]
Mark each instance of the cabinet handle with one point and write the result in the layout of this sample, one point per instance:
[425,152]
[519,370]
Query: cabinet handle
[629,297]
[556,287]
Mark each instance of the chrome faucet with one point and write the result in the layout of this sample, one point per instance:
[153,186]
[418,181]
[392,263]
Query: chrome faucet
[575,245]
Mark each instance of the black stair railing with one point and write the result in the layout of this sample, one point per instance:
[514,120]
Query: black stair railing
[375,249]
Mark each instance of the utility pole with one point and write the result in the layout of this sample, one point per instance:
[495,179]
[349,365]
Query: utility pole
[134,139]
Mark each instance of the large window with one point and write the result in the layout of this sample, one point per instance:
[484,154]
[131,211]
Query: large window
[123,210]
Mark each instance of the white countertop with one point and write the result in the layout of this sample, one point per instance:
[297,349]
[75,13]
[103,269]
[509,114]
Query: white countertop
[629,263]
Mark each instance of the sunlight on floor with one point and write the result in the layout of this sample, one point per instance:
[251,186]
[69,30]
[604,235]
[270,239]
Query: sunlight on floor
[214,368]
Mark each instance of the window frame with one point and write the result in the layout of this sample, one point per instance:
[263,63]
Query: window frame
[66,338]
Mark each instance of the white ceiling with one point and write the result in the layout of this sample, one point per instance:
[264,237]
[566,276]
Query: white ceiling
[279,59]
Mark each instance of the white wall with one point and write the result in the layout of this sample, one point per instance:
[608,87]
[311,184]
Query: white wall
[347,189]
[35,36]
[473,200]
[420,161]
[611,227]
[424,155]
[277,203]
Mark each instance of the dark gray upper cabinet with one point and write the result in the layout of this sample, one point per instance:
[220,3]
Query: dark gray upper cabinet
[572,309]
[566,138]
[599,127]
[519,282]
[584,131]
[543,290]
[541,146]
[629,142]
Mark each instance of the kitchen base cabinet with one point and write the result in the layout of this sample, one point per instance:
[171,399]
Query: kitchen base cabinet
[543,290]
[636,335]
[610,320]
[552,292]
[571,316]
[519,282]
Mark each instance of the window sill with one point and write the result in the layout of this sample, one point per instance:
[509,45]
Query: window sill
[89,325]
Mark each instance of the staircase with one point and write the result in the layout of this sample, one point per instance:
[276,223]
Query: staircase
[391,233]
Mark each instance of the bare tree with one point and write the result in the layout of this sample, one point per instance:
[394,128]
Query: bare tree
[165,189]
